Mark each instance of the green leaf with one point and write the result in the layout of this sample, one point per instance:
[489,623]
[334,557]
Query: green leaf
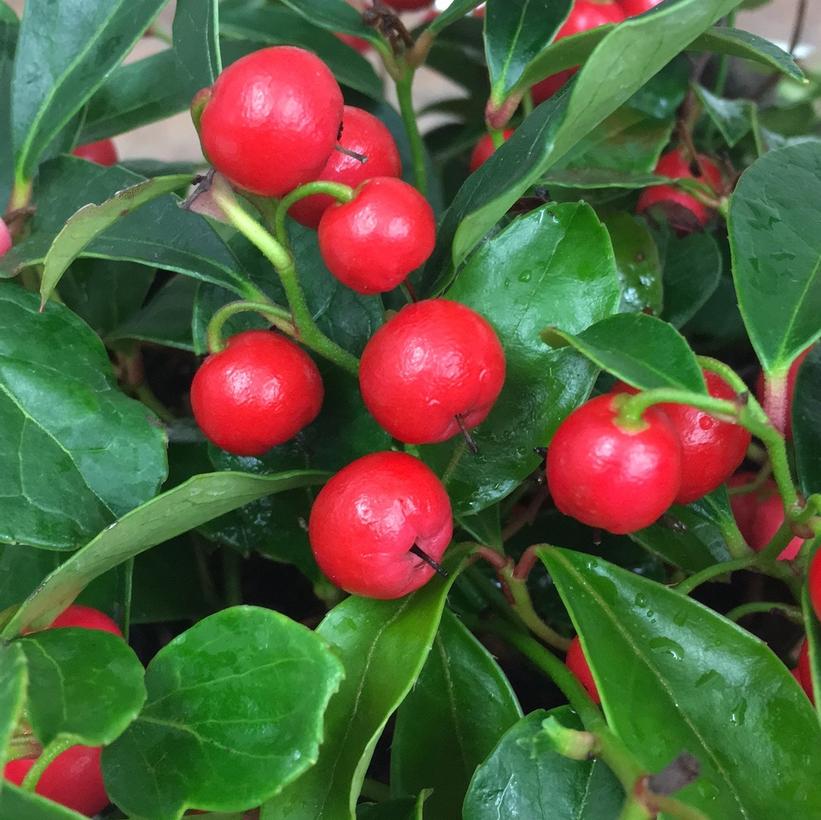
[170,514]
[455,11]
[451,720]
[16,804]
[718,692]
[736,43]
[234,713]
[160,234]
[91,220]
[13,681]
[383,646]
[65,52]
[515,32]
[85,685]
[8,41]
[733,118]
[333,15]
[813,638]
[403,808]
[692,271]
[524,777]
[457,54]
[638,349]
[66,430]
[776,248]
[196,43]
[806,410]
[553,265]
[21,568]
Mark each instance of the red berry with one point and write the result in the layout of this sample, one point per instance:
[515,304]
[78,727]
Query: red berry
[368,516]
[779,407]
[576,662]
[73,779]
[363,134]
[633,8]
[86,617]
[802,673]
[272,120]
[258,392]
[814,583]
[408,5]
[435,360]
[484,149]
[358,43]
[102,152]
[613,478]
[374,241]
[584,15]
[5,238]
[683,211]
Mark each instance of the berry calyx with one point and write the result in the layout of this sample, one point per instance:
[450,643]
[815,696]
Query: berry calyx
[102,152]
[73,779]
[814,583]
[616,479]
[260,391]
[633,8]
[576,662]
[272,120]
[374,241]
[86,617]
[362,134]
[682,210]
[778,403]
[367,520]
[484,149]
[434,369]
[5,238]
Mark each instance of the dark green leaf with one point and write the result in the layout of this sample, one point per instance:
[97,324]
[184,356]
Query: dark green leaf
[584,178]
[85,685]
[733,118]
[775,238]
[66,50]
[813,627]
[457,54]
[196,43]
[8,40]
[333,15]
[66,430]
[692,272]
[170,514]
[234,713]
[16,804]
[13,680]
[451,720]
[735,43]
[718,692]
[383,646]
[484,526]
[638,349]
[454,12]
[21,570]
[525,778]
[806,411]
[403,808]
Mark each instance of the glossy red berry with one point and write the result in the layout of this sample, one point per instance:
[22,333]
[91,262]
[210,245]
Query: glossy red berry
[609,477]
[5,238]
[633,8]
[363,134]
[814,583]
[272,119]
[260,391]
[682,210]
[484,149]
[367,518]
[102,152]
[86,617]
[576,662]
[585,15]
[778,406]
[73,779]
[434,368]
[374,241]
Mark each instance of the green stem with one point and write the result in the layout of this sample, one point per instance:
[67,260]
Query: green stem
[523,607]
[340,192]
[793,613]
[404,91]
[459,449]
[276,315]
[53,750]
[497,137]
[634,809]
[146,395]
[20,194]
[22,747]
[715,571]
[527,103]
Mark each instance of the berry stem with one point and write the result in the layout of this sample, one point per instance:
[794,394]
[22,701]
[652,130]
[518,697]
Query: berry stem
[793,613]
[20,194]
[340,192]
[22,747]
[404,92]
[276,315]
[51,751]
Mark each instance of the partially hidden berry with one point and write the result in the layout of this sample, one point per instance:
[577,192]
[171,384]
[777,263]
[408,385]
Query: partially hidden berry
[609,477]
[363,134]
[260,391]
[271,120]
[374,241]
[5,238]
[360,44]
[814,583]
[803,673]
[484,149]
[633,8]
[367,518]
[102,152]
[86,617]
[409,5]
[576,662]
[435,368]
[779,406]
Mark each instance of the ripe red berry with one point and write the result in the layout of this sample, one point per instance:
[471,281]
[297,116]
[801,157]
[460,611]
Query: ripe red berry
[258,392]
[272,119]
[86,617]
[484,149]
[609,477]
[434,361]
[585,15]
[102,152]
[363,134]
[5,238]
[73,779]
[803,673]
[367,518]
[779,407]
[633,8]
[682,210]
[814,583]
[359,43]
[576,662]
[374,241]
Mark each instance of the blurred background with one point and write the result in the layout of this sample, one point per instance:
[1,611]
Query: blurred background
[175,139]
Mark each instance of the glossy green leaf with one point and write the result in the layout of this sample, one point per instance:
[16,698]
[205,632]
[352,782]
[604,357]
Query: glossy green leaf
[8,41]
[170,514]
[454,12]
[16,804]
[458,55]
[733,118]
[333,15]
[383,646]
[66,430]
[451,720]
[91,220]
[692,271]
[21,569]
[403,808]
[718,692]
[776,247]
[806,411]
[748,46]
[553,265]
[85,685]
[65,52]
[234,713]
[525,778]
[196,43]
[13,681]
[515,32]
[813,638]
